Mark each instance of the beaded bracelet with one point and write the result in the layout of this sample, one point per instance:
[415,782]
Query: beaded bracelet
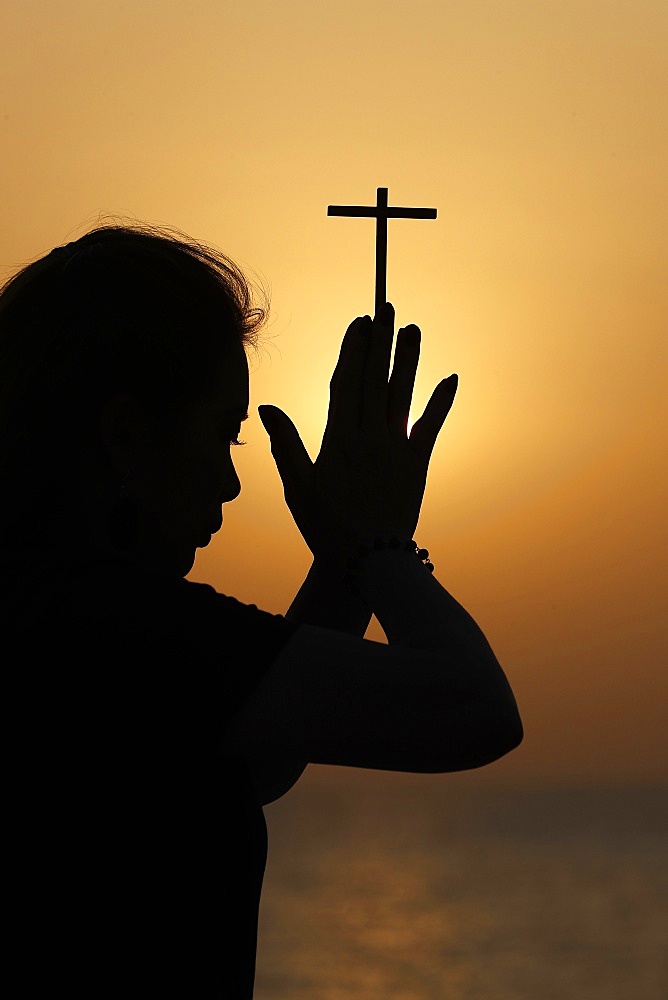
[353,564]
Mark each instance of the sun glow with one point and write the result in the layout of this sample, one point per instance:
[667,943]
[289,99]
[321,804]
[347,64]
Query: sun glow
[541,283]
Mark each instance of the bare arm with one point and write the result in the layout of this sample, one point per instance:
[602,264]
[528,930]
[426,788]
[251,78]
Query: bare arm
[434,700]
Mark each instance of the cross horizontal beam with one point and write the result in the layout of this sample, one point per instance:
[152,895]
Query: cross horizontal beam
[370,212]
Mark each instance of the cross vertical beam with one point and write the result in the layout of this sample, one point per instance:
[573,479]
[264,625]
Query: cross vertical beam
[381,248]
[381,212]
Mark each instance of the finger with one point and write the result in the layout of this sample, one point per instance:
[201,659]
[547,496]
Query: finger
[345,387]
[402,379]
[377,369]
[292,460]
[425,430]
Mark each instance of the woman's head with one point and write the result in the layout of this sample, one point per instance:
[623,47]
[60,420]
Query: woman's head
[127,320]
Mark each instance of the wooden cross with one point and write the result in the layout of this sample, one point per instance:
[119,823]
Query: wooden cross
[381,213]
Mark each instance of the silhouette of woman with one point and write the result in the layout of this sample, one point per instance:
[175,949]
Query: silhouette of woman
[150,717]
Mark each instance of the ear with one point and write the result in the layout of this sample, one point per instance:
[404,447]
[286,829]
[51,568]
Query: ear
[124,432]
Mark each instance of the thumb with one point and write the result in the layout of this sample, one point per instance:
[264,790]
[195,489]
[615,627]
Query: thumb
[292,460]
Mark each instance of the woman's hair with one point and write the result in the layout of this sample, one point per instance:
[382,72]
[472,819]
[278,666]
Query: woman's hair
[125,309]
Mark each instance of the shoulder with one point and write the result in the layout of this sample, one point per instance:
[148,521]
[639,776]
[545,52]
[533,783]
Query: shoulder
[102,613]
[95,588]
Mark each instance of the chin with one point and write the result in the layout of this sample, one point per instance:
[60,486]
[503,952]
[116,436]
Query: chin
[180,562]
[188,561]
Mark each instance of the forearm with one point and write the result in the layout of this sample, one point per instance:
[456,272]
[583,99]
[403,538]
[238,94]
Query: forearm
[416,611]
[413,608]
[431,701]
[326,601]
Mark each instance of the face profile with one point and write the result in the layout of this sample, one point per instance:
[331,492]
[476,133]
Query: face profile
[179,479]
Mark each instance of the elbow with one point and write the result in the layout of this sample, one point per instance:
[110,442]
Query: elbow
[488,734]
[499,733]
[512,733]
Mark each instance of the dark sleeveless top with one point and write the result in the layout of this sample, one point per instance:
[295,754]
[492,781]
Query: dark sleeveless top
[135,849]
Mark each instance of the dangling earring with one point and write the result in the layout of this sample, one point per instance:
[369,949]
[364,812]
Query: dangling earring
[123,517]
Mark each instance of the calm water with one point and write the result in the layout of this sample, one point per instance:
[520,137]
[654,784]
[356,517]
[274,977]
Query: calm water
[432,889]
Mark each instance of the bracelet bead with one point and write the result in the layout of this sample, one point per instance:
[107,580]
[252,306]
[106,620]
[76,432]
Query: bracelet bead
[378,544]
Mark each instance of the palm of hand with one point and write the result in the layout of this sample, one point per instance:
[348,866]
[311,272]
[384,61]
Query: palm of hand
[369,477]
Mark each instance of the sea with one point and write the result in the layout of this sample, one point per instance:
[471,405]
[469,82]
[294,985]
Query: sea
[432,887]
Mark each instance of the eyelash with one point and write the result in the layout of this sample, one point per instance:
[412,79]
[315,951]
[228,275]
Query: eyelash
[237,442]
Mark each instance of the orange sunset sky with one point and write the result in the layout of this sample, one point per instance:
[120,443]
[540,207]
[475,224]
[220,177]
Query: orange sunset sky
[537,128]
